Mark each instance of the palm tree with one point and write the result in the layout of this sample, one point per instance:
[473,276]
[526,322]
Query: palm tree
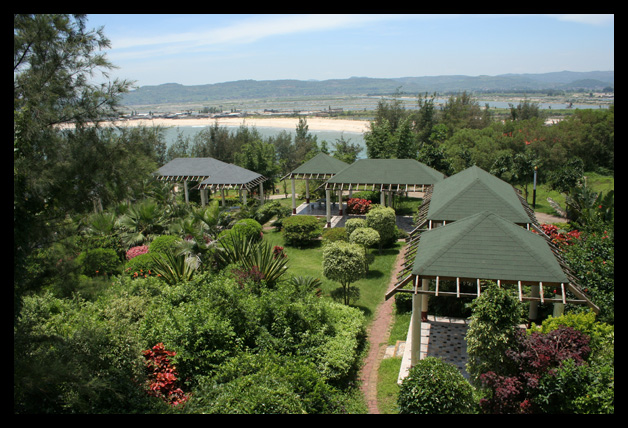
[141,222]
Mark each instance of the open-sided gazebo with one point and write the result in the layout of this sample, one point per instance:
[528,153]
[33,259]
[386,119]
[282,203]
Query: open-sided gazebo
[320,167]
[480,247]
[469,192]
[383,175]
[214,175]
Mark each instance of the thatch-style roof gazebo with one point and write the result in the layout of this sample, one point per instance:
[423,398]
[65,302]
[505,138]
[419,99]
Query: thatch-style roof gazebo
[214,175]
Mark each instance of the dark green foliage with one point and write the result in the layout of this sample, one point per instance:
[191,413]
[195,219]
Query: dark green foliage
[435,387]
[301,230]
[99,262]
[164,244]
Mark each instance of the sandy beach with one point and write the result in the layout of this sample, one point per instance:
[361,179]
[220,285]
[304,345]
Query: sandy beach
[314,123]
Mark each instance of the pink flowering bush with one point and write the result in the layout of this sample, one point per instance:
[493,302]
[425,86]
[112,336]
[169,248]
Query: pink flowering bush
[136,251]
[358,206]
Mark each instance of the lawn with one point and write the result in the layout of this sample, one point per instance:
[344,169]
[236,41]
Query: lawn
[308,262]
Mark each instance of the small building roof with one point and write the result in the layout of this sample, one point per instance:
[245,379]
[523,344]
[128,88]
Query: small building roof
[212,173]
[321,166]
[486,246]
[471,191]
[193,169]
[385,174]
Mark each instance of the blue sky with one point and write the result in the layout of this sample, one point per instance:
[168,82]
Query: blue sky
[200,49]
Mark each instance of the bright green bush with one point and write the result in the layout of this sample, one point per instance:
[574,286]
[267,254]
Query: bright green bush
[164,244]
[301,230]
[354,223]
[345,263]
[99,262]
[435,387]
[334,234]
[140,266]
[247,227]
[384,221]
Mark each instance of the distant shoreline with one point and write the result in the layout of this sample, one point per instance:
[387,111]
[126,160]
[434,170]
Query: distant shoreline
[313,123]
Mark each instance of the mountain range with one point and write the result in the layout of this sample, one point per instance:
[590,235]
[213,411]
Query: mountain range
[361,86]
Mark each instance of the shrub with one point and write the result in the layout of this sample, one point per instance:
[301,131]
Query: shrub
[140,266]
[247,228]
[343,262]
[136,251]
[334,234]
[366,237]
[435,387]
[301,230]
[99,261]
[165,244]
[162,377]
[384,221]
[369,195]
[358,206]
[354,223]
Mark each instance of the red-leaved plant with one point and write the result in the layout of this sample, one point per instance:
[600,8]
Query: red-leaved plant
[358,206]
[162,375]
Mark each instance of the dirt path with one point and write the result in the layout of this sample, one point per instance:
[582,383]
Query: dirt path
[378,339]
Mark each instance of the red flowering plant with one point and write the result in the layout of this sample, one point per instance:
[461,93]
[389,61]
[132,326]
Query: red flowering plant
[136,251]
[358,206]
[163,375]
[559,237]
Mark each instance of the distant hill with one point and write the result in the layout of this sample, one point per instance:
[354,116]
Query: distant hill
[247,89]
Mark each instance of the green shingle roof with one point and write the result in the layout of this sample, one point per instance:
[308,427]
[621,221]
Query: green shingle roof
[320,166]
[385,174]
[486,246]
[211,172]
[189,168]
[471,191]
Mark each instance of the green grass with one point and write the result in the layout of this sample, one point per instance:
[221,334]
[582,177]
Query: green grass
[308,261]
[599,183]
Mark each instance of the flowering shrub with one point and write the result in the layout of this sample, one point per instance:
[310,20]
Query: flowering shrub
[358,206]
[559,237]
[163,375]
[136,251]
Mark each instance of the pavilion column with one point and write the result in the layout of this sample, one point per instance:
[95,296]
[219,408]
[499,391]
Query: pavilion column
[185,190]
[415,323]
[261,193]
[328,207]
[339,202]
[382,198]
[534,304]
[244,192]
[294,198]
[425,298]
[307,190]
[222,196]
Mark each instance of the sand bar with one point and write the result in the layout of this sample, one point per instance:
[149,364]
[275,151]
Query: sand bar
[313,123]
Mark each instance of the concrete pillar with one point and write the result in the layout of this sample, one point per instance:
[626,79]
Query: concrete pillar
[261,193]
[415,353]
[222,196]
[185,191]
[328,207]
[382,198]
[425,298]
[294,198]
[307,190]
[339,202]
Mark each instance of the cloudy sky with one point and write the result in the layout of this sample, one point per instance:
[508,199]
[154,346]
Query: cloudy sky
[201,49]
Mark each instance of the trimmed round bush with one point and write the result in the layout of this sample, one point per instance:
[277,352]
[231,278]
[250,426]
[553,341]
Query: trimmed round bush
[247,227]
[354,223]
[140,266]
[164,244]
[334,234]
[99,261]
[435,387]
[300,230]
